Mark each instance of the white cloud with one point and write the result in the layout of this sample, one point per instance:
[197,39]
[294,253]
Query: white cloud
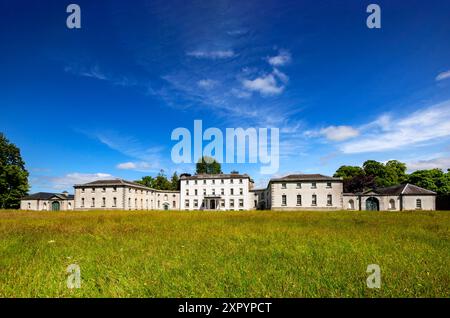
[137,166]
[266,85]
[220,54]
[283,57]
[339,133]
[207,83]
[443,76]
[67,181]
[418,128]
[442,163]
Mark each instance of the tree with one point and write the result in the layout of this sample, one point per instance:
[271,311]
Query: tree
[434,179]
[174,182]
[348,172]
[147,181]
[13,175]
[395,172]
[208,165]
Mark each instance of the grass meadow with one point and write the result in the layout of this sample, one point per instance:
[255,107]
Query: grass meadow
[224,254]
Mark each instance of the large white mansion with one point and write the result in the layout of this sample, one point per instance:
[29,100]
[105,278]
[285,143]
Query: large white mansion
[234,192]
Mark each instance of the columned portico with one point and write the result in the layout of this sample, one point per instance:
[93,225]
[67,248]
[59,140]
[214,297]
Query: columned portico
[211,202]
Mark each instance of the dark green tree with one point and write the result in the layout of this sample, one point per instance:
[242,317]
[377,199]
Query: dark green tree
[348,172]
[174,181]
[208,165]
[147,181]
[13,175]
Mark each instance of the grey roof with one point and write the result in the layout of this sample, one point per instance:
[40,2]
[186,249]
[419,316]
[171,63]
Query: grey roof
[118,183]
[306,177]
[215,176]
[48,196]
[401,189]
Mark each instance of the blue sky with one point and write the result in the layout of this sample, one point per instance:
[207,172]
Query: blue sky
[102,101]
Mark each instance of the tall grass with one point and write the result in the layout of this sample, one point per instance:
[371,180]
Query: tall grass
[224,254]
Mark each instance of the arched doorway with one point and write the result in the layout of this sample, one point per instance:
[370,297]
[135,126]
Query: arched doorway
[55,206]
[351,204]
[372,204]
[166,206]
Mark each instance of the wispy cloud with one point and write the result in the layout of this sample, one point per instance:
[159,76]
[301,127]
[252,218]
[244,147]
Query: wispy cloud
[67,181]
[207,83]
[442,76]
[218,54]
[95,72]
[283,58]
[388,133]
[441,162]
[141,166]
[265,85]
[336,133]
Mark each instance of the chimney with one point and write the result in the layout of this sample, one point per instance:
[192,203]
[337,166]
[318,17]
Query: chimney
[65,193]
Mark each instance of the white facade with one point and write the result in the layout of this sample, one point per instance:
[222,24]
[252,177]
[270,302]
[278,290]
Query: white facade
[48,202]
[216,192]
[233,192]
[123,195]
[302,192]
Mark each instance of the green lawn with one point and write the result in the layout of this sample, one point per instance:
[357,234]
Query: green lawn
[224,254]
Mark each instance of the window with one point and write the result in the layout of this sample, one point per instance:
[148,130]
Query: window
[232,191]
[93,202]
[418,204]
[195,182]
[299,199]
[115,189]
[135,203]
[103,202]
[204,191]
[240,181]
[221,181]
[129,190]
[69,205]
[195,203]
[186,203]
[283,186]
[299,185]
[351,204]
[231,203]
[213,191]
[82,190]
[222,191]
[204,181]
[222,203]
[392,204]
[187,191]
[283,199]
[29,205]
[241,191]
[82,203]
[241,203]
[103,189]
[328,184]
[165,197]
[213,181]
[93,190]
[174,204]
[159,204]
[231,181]
[195,191]
[129,202]
[187,182]
[114,202]
[329,199]
[314,200]
[313,185]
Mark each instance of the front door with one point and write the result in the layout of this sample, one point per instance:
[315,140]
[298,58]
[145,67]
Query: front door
[55,206]
[372,204]
[212,204]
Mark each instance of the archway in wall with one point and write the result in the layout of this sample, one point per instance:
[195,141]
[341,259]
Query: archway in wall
[55,206]
[166,206]
[372,204]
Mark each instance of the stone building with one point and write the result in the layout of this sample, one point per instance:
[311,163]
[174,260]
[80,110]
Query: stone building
[119,194]
[234,192]
[395,198]
[216,192]
[45,201]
